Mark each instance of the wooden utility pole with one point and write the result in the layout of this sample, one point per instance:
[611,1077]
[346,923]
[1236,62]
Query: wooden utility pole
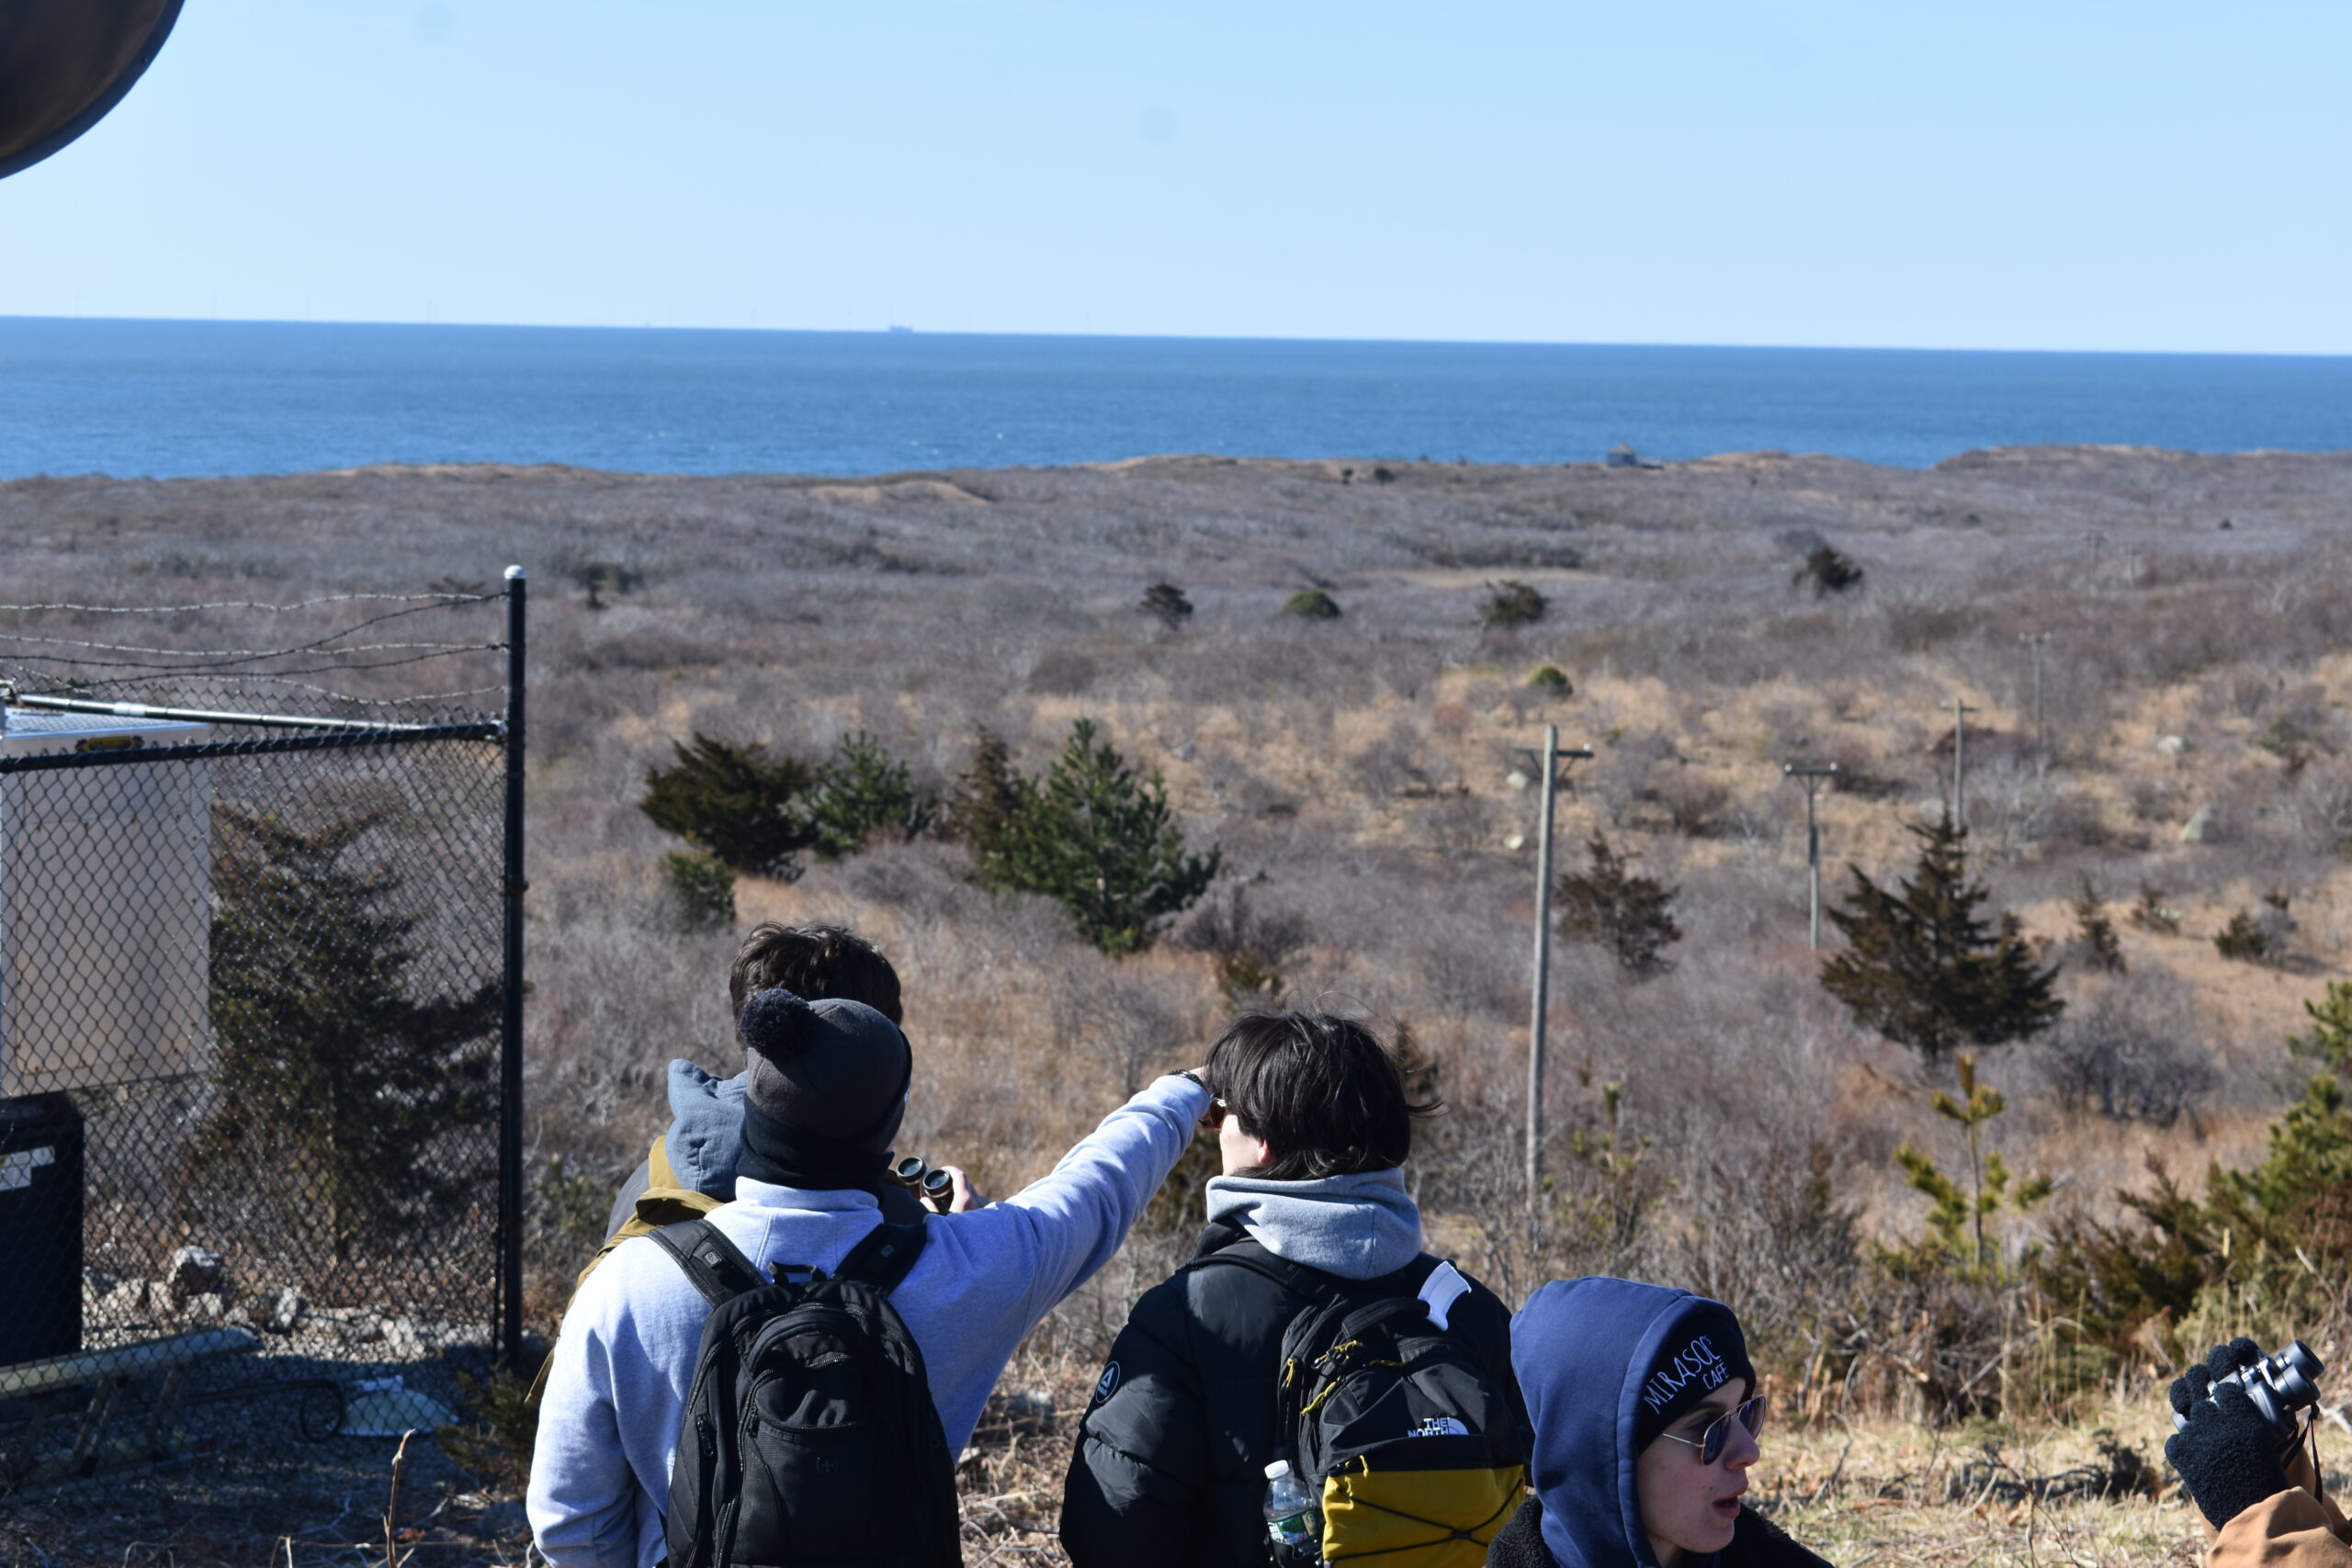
[1811,775]
[2041,746]
[1960,711]
[1548,761]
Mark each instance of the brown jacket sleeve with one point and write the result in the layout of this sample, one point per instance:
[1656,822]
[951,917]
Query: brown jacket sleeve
[2288,1530]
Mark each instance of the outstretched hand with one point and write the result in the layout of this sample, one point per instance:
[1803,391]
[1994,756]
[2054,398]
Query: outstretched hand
[961,1197]
[2228,1456]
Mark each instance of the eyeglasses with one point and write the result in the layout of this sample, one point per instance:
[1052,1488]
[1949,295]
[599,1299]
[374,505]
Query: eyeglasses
[1712,1442]
[1214,1117]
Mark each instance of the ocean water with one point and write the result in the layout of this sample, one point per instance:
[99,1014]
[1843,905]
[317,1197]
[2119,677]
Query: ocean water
[165,398]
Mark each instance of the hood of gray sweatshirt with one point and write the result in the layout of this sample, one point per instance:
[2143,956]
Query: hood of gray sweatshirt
[1358,1226]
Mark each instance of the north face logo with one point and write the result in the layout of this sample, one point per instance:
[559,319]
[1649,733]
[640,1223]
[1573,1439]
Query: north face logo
[1440,1427]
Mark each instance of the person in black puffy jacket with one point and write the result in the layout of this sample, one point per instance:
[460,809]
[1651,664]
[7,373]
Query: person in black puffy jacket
[1313,1120]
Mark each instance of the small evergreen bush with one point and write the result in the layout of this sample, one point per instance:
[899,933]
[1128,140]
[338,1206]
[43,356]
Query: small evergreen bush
[734,804]
[2095,939]
[1103,843]
[2243,939]
[1165,603]
[989,797]
[1551,678]
[1313,604]
[863,792]
[1512,604]
[2151,914]
[1630,916]
[701,890]
[1829,570]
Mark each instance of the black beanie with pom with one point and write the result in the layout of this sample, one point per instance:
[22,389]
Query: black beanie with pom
[826,1090]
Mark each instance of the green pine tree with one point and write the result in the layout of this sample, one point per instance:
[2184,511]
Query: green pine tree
[333,1080]
[735,804]
[863,792]
[1103,842]
[2101,948]
[1960,1211]
[1922,967]
[1609,907]
[989,797]
[2328,1043]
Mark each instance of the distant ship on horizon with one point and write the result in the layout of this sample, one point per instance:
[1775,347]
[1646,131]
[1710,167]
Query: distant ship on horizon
[898,327]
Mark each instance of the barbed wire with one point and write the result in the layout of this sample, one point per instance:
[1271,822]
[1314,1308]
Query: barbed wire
[222,653]
[249,656]
[439,601]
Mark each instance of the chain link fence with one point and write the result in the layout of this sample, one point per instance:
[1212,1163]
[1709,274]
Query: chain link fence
[259,1019]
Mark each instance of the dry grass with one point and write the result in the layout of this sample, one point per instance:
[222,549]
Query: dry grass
[1361,766]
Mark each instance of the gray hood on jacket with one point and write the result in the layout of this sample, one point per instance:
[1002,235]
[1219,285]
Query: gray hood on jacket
[1358,1226]
[705,1139]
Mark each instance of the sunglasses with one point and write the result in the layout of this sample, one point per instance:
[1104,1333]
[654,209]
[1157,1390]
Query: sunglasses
[1214,1117]
[1712,1442]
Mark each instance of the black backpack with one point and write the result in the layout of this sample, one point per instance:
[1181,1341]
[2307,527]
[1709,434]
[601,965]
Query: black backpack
[809,1435]
[1412,1449]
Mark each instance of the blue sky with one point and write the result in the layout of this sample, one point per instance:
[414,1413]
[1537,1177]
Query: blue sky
[2060,175]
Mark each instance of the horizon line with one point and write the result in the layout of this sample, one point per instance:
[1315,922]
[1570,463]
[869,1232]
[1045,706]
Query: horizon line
[903,331]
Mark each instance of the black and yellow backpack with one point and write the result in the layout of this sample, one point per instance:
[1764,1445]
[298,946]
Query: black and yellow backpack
[1414,1452]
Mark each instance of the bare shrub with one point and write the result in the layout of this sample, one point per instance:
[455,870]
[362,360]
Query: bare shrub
[2123,1053]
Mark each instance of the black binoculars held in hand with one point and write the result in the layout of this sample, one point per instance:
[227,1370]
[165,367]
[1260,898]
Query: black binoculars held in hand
[937,1186]
[2278,1386]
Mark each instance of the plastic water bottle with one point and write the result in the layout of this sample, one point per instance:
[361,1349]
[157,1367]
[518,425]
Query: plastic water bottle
[1290,1516]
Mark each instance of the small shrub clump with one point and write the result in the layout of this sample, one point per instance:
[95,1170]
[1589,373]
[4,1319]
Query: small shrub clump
[2151,914]
[1512,604]
[1313,604]
[865,794]
[1829,570]
[2095,940]
[753,814]
[701,890]
[1249,946]
[1551,679]
[1630,916]
[1165,603]
[734,804]
[2243,939]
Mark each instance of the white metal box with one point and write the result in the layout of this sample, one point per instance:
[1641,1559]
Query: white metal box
[106,905]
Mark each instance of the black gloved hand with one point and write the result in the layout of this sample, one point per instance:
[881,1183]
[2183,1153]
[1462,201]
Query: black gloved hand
[2228,1456]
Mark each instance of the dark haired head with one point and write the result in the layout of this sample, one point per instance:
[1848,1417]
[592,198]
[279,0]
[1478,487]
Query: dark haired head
[1324,1095]
[815,962]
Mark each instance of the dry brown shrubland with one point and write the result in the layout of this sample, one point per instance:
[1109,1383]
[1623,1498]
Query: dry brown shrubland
[1360,765]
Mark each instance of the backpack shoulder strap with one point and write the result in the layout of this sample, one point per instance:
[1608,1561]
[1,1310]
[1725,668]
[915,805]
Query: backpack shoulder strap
[718,1269]
[1295,1278]
[883,1256]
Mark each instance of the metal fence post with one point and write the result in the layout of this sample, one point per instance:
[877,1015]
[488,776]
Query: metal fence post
[510,1097]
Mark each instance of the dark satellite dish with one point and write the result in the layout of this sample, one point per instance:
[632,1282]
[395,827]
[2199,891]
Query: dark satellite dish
[64,62]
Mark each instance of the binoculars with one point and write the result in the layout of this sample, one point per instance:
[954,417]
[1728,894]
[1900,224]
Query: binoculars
[2278,1386]
[919,1178]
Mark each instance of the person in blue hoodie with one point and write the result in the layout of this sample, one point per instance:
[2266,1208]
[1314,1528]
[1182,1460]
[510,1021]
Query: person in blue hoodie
[1645,1419]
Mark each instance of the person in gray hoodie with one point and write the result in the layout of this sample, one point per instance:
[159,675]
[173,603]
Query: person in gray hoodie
[1313,1120]
[823,1097]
